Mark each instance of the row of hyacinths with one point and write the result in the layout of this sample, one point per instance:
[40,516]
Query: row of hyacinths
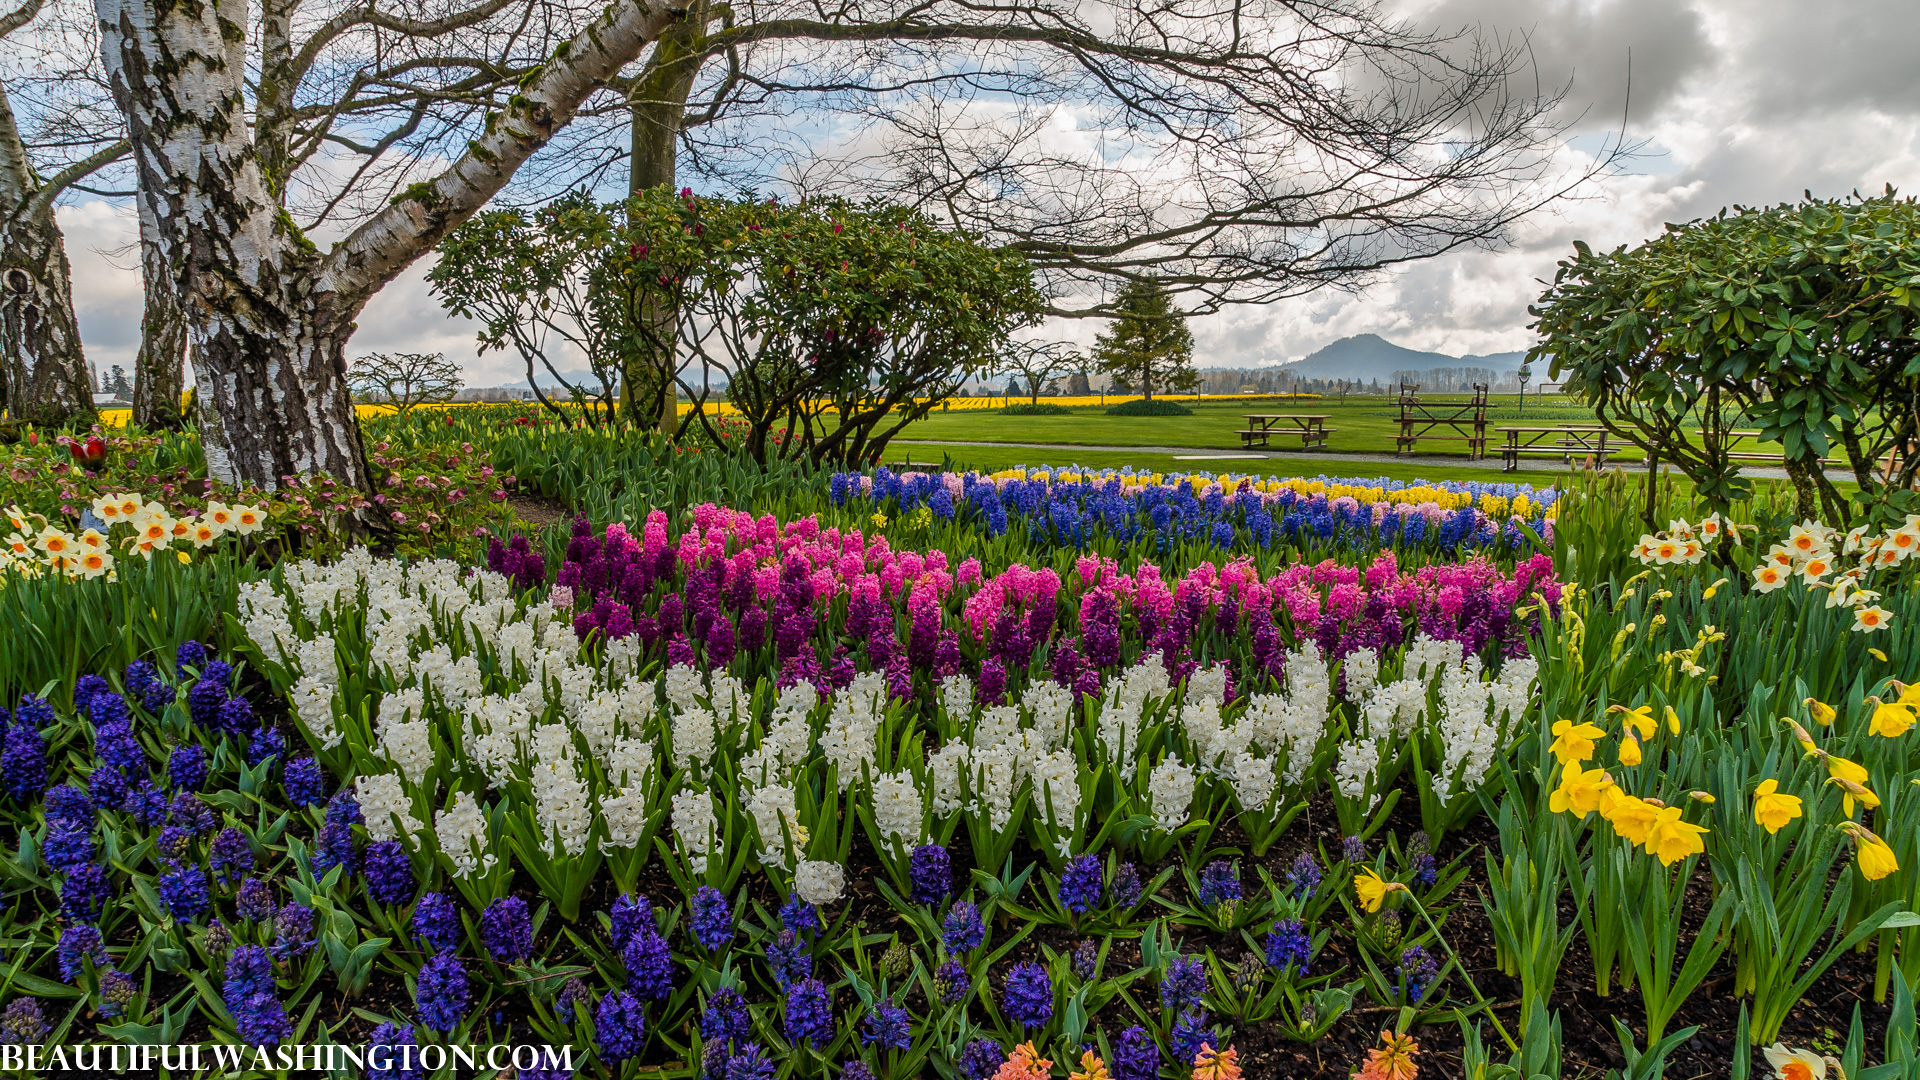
[1084,509]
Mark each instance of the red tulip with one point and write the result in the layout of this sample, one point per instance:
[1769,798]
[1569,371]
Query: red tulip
[91,452]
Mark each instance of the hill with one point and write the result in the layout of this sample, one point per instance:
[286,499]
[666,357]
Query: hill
[1369,356]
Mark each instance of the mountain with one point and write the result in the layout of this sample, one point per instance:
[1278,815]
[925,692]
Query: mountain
[1369,356]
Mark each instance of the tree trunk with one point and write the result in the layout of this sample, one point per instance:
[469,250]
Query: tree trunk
[159,372]
[658,99]
[268,314]
[45,378]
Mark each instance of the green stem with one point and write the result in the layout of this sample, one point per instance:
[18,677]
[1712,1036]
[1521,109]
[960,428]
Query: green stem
[1478,998]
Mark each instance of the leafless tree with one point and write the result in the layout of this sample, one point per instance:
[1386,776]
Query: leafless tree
[1038,363]
[404,380]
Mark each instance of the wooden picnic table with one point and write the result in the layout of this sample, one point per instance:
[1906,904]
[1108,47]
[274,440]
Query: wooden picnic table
[1562,440]
[1311,427]
[1420,419]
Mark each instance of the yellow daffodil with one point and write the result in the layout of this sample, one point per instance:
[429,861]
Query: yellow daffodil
[1870,853]
[1800,735]
[1574,742]
[1855,792]
[1702,797]
[1373,889]
[1891,719]
[1673,721]
[1772,809]
[1670,839]
[1580,791]
[1795,1064]
[1821,712]
[1629,816]
[1629,749]
[1640,718]
[1909,693]
[1878,655]
[1841,769]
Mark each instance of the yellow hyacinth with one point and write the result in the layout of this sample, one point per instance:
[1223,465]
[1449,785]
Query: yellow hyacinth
[1772,809]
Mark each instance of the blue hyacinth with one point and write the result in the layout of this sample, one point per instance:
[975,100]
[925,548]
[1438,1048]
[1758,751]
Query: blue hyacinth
[888,1026]
[1080,884]
[963,929]
[1028,997]
[711,919]
[437,921]
[809,1014]
[441,992]
[620,1025]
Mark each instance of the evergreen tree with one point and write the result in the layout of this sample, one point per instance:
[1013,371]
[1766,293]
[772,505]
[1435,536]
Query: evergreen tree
[1148,345]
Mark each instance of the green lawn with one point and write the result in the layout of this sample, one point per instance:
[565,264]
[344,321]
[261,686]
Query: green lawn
[994,458]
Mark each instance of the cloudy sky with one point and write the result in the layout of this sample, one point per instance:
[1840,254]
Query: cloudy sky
[1746,102]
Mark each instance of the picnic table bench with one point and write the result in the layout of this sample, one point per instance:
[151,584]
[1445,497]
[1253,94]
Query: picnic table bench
[1311,427]
[1466,419]
[1562,441]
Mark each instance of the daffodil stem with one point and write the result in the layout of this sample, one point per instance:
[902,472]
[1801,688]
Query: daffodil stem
[1478,998]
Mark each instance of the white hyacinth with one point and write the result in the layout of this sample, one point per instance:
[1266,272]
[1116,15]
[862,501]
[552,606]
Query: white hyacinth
[697,826]
[560,804]
[1253,782]
[1170,791]
[1362,667]
[897,808]
[772,809]
[461,831]
[1359,760]
[819,882]
[626,817]
[693,737]
[313,704]
[382,799]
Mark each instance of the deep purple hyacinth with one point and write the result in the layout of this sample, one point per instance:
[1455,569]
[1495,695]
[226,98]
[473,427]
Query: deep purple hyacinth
[506,929]
[389,872]
[1125,888]
[953,981]
[231,856]
[1417,971]
[116,748]
[788,959]
[258,1016]
[190,654]
[751,1063]
[391,1054]
[711,920]
[85,892]
[144,803]
[187,767]
[1425,869]
[931,872]
[1303,877]
[236,716]
[649,964]
[981,1059]
[620,1024]
[304,783]
[1354,850]
[67,845]
[175,842]
[254,900]
[1184,983]
[1028,997]
[887,1025]
[23,1024]
[809,1012]
[1135,1055]
[1219,883]
[116,993]
[208,694]
[800,917]
[1289,947]
[265,742]
[441,992]
[631,915]
[726,1017]
[572,993]
[1086,960]
[80,943]
[334,846]
[67,803]
[963,929]
[108,787]
[437,921]
[1190,1033]
[184,891]
[23,762]
[852,1069]
[1080,884]
[143,681]
[34,712]
[293,929]
[188,811]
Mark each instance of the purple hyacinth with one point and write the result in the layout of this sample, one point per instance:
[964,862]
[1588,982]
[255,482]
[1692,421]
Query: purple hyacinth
[1184,983]
[254,900]
[1086,960]
[184,891]
[144,803]
[963,929]
[1190,1033]
[1303,877]
[1080,884]
[391,1054]
[304,783]
[572,993]
[711,919]
[1219,883]
[67,803]
[800,917]
[441,992]
[389,873]
[189,812]
[1417,971]
[293,929]
[187,767]
[67,845]
[852,1069]
[80,943]
[258,1016]
[108,787]
[951,977]
[726,1017]
[191,654]
[143,681]
[1288,947]
[231,855]
[1028,997]
[23,762]
[175,843]
[1125,888]
[981,1059]
[620,1024]
[809,1012]
[108,708]
[751,1063]
[1353,849]
[506,929]
[631,915]
[334,846]
[116,748]
[235,716]
[116,993]
[887,1025]
[437,921]
[649,964]
[1135,1055]
[85,892]
[788,959]
[930,870]
[23,1024]
[265,742]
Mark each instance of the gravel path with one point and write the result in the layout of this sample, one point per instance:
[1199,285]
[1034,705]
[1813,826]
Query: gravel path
[1187,453]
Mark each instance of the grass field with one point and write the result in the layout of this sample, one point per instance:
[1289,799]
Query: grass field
[995,458]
